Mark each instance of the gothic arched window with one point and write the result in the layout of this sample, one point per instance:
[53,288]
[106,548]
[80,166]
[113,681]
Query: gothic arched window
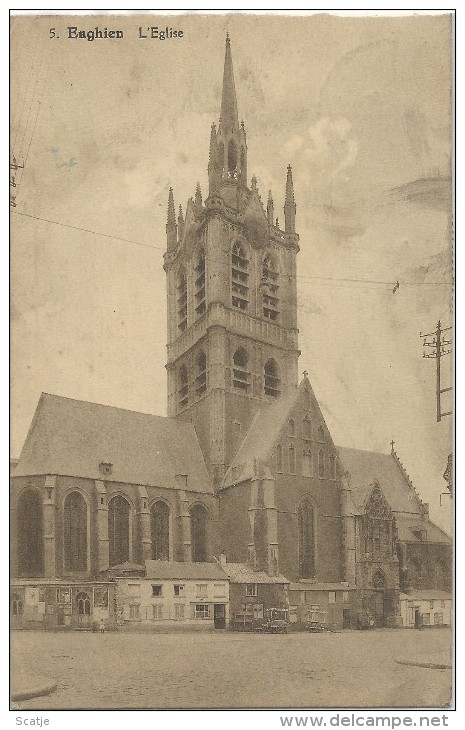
[241,374]
[232,159]
[239,277]
[306,527]
[272,379]
[183,386]
[83,604]
[200,303]
[201,376]
[292,464]
[199,521]
[16,605]
[160,531]
[30,534]
[118,530]
[307,428]
[379,579]
[307,466]
[279,458]
[270,288]
[332,467]
[321,463]
[75,532]
[181,300]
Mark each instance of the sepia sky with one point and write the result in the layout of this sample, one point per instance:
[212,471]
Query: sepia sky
[361,109]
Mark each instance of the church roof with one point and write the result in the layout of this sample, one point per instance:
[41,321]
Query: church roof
[242,573]
[168,570]
[72,438]
[365,467]
[411,529]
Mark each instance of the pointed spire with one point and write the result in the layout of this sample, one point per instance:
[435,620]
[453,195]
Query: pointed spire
[270,208]
[289,204]
[180,224]
[198,200]
[171,228]
[229,117]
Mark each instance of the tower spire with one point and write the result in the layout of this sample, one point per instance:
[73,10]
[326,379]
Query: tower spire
[270,209]
[289,204]
[171,227]
[229,118]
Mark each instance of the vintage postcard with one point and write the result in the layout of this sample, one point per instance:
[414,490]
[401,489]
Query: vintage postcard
[231,332]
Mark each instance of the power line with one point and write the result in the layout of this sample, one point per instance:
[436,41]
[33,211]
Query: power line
[330,280]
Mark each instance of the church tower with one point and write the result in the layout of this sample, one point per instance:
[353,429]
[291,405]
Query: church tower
[232,300]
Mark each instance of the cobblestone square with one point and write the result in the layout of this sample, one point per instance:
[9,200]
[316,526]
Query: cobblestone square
[233,670]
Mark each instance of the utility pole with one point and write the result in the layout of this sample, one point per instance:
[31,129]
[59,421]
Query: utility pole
[438,344]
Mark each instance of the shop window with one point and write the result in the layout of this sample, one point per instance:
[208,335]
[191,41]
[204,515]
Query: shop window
[202,611]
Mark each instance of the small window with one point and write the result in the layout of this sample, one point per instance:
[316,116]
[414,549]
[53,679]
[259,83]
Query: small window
[307,428]
[332,467]
[251,589]
[202,611]
[157,591]
[201,590]
[307,466]
[332,597]
[134,612]
[345,596]
[321,464]
[291,427]
[178,590]
[279,458]
[292,465]
[157,611]
[438,619]
[179,611]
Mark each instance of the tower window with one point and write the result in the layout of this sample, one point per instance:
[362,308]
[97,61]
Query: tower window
[270,289]
[201,377]
[307,466]
[239,277]
[199,271]
[183,387]
[181,301]
[332,467]
[232,160]
[272,379]
[321,464]
[241,375]
[292,468]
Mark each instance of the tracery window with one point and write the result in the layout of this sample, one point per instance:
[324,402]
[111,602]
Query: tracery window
[30,534]
[239,277]
[199,521]
[75,532]
[270,288]
[160,531]
[118,530]
[272,379]
[306,528]
[200,303]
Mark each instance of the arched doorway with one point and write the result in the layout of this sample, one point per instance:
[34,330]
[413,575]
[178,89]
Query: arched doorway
[75,533]
[379,598]
[199,521]
[83,607]
[118,530]
[30,535]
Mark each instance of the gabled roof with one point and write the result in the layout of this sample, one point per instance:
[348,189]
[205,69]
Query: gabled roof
[408,525]
[167,570]
[262,435]
[242,573]
[71,438]
[366,467]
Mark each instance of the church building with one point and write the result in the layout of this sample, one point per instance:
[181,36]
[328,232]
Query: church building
[242,471]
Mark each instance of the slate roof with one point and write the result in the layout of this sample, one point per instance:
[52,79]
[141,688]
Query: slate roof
[367,466]
[242,573]
[167,570]
[426,595]
[71,438]
[407,524]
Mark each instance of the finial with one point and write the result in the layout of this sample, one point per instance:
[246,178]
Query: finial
[392,446]
[305,375]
